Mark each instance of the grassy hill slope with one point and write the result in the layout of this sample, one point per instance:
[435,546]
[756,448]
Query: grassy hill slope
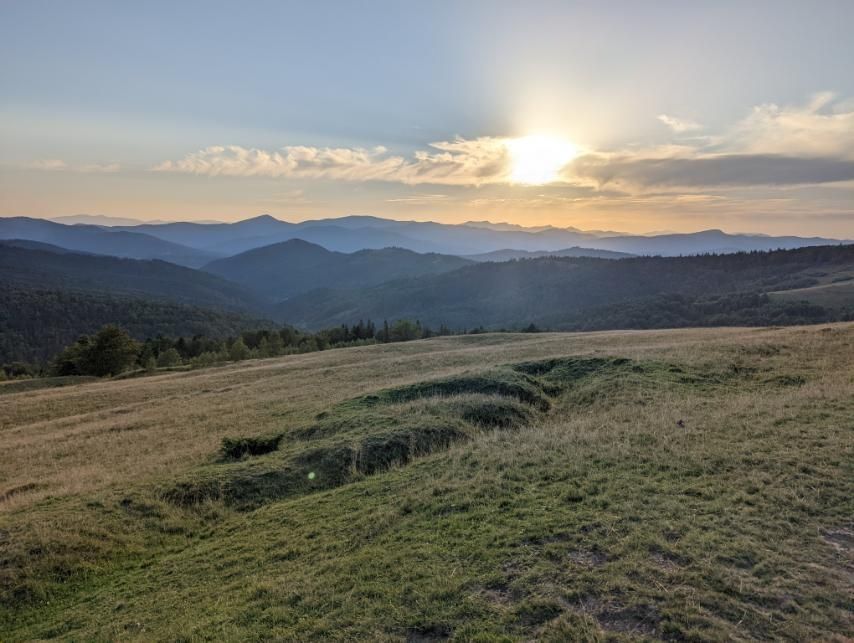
[667,485]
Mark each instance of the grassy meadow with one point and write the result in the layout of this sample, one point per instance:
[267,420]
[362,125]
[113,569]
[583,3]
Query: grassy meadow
[676,485]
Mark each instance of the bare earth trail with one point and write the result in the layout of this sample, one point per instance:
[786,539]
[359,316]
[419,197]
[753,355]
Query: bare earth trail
[690,484]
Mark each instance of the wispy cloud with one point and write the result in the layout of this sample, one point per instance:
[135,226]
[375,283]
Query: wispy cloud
[58,165]
[418,199]
[714,170]
[679,125]
[47,164]
[341,163]
[822,127]
[772,145]
[457,162]
[812,144]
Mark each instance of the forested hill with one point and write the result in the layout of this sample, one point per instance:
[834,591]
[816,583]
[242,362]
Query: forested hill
[36,323]
[46,269]
[283,269]
[559,292]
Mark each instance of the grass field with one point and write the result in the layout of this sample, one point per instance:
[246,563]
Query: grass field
[833,295]
[680,485]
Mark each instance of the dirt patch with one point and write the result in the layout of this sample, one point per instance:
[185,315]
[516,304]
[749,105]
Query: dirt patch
[840,538]
[664,562]
[587,558]
[498,595]
[639,619]
[428,633]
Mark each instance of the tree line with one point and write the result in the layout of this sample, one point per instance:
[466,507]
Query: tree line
[112,350]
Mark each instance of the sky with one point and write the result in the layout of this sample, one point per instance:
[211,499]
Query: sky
[628,116]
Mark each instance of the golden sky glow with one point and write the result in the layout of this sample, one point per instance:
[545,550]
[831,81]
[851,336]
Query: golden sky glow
[538,159]
[624,117]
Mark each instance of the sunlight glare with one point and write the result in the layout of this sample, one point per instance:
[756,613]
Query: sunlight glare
[539,159]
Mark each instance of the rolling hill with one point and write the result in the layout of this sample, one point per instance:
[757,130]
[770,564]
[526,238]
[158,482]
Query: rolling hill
[560,292]
[37,323]
[689,485]
[284,269]
[44,268]
[116,242]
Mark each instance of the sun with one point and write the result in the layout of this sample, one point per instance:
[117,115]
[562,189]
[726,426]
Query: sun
[539,159]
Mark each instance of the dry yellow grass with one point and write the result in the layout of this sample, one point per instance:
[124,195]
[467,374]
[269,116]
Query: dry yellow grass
[700,492]
[79,439]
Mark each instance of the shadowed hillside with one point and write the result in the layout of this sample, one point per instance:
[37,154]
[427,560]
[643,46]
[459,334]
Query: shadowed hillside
[563,292]
[37,323]
[281,270]
[45,269]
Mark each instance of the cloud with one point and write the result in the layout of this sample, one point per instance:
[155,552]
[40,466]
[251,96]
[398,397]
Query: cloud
[679,125]
[771,146]
[418,199]
[58,165]
[349,164]
[811,144]
[822,127]
[457,162]
[713,170]
[461,162]
[47,164]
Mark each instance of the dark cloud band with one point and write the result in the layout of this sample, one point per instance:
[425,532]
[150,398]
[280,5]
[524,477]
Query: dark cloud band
[723,170]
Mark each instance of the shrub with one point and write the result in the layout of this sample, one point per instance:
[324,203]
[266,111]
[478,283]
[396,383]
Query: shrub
[238,350]
[170,357]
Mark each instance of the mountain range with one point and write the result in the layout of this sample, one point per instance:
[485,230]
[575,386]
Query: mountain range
[50,294]
[116,242]
[195,244]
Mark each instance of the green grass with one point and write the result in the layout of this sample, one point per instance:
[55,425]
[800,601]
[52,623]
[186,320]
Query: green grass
[687,486]
[831,295]
[18,386]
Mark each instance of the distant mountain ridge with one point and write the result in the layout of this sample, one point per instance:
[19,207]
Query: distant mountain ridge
[358,232]
[117,242]
[283,269]
[508,254]
[196,244]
